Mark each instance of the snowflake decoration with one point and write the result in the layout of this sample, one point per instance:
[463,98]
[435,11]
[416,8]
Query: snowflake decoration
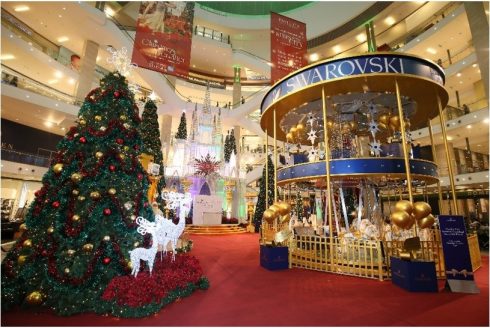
[121,61]
[311,119]
[373,127]
[206,166]
[376,148]
[372,108]
[312,136]
[312,153]
[408,136]
[134,88]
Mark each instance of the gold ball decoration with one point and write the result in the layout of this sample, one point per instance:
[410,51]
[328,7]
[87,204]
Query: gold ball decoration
[75,192]
[268,216]
[123,117]
[95,195]
[401,219]
[404,206]
[67,270]
[57,168]
[354,125]
[98,117]
[289,136]
[126,125]
[285,218]
[34,298]
[122,156]
[133,217]
[27,243]
[395,121]
[382,126]
[136,244]
[274,208]
[87,248]
[293,130]
[102,128]
[75,218]
[421,210]
[23,227]
[99,155]
[21,259]
[284,208]
[129,264]
[81,198]
[76,177]
[385,119]
[300,127]
[126,148]
[107,238]
[50,230]
[426,222]
[111,191]
[70,252]
[329,124]
[82,122]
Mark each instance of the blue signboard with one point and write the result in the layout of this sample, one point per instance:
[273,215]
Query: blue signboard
[352,66]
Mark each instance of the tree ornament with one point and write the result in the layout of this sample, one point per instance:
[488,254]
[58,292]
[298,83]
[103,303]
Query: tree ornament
[107,238]
[76,177]
[107,260]
[123,117]
[83,140]
[99,155]
[21,259]
[102,128]
[70,252]
[122,156]
[76,135]
[50,230]
[23,227]
[57,168]
[116,94]
[82,122]
[88,248]
[119,141]
[34,298]
[74,192]
[128,205]
[95,195]
[111,191]
[126,148]
[44,253]
[126,125]
[136,244]
[112,168]
[107,211]
[421,210]
[132,217]
[75,218]
[67,270]
[98,118]
[81,198]
[55,204]
[140,176]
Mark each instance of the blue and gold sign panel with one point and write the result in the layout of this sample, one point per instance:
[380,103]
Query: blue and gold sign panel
[369,64]
[357,168]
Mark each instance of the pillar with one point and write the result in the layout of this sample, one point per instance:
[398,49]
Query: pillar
[237,87]
[165,134]
[238,193]
[87,69]
[371,38]
[477,19]
[441,159]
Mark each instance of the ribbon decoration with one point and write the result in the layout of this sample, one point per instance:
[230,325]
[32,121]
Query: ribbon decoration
[359,208]
[464,272]
[334,207]
[344,209]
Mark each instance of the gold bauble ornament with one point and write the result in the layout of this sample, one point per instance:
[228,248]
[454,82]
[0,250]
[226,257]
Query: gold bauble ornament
[57,168]
[67,270]
[284,208]
[274,208]
[421,210]
[99,154]
[353,125]
[404,205]
[21,259]
[76,177]
[385,119]
[107,238]
[75,218]
[123,117]
[87,248]
[126,125]
[126,148]
[81,198]
[133,217]
[50,230]
[136,244]
[27,243]
[268,216]
[289,136]
[329,124]
[98,117]
[401,219]
[285,218]
[34,298]
[70,252]
[300,127]
[112,191]
[129,264]
[82,122]
[426,222]
[122,156]
[395,121]
[382,126]
[23,227]
[74,192]
[95,195]
[102,128]
[293,130]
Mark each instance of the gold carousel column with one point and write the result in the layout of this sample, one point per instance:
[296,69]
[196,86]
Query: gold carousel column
[275,158]
[434,159]
[448,159]
[266,178]
[327,169]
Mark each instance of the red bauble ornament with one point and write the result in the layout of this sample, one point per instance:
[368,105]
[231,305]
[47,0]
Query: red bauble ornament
[107,211]
[44,253]
[119,141]
[106,260]
[112,168]
[145,204]
[37,193]
[140,176]
[136,147]
[55,204]
[82,140]
[116,94]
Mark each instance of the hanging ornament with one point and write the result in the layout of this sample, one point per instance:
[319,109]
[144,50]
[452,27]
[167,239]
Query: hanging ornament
[126,125]
[34,298]
[140,176]
[136,244]
[87,248]
[102,128]
[75,218]
[21,259]
[119,141]
[95,195]
[27,243]
[117,94]
[74,192]
[312,136]
[372,108]
[404,206]
[50,230]
[57,168]
[44,253]
[375,147]
[106,260]
[70,252]
[99,155]
[112,191]
[112,168]
[81,198]
[126,148]
[123,117]
[98,118]
[55,204]
[76,177]
[311,119]
[76,135]
[128,205]
[23,227]
[107,211]
[82,122]
[132,217]
[107,238]
[67,270]
[83,140]
[136,147]
[122,156]
[373,127]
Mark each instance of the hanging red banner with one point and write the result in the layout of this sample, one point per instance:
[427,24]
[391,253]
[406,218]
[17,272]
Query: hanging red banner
[288,46]
[164,37]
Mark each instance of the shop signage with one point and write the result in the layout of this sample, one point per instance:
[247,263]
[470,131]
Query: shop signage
[212,84]
[353,66]
[164,36]
[288,46]
[457,260]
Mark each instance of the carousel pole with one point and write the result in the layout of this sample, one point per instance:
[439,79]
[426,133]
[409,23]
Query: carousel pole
[275,156]
[448,158]
[405,148]
[327,169]
[266,169]
[434,158]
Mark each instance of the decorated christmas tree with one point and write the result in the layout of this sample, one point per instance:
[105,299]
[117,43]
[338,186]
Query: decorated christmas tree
[299,206]
[232,142]
[182,130]
[261,206]
[227,149]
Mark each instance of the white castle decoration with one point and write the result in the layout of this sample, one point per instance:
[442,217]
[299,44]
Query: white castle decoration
[210,193]
[163,231]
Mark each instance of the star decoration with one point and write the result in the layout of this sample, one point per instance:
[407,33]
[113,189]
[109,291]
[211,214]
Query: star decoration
[312,153]
[373,127]
[312,136]
[311,118]
[121,60]
[375,147]
[408,136]
[372,108]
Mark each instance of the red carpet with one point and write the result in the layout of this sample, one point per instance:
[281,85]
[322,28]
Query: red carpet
[244,294]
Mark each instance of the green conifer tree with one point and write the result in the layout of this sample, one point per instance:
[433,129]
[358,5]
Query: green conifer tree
[182,130]
[261,206]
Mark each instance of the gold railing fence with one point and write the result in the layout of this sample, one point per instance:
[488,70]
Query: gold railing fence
[474,251]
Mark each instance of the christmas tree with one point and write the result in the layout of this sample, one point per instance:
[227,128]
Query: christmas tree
[261,206]
[81,224]
[182,130]
[232,142]
[227,149]
[299,206]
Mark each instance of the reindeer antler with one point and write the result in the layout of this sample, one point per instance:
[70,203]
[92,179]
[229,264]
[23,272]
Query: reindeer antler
[144,225]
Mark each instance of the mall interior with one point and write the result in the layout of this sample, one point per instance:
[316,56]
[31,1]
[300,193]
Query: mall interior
[54,55]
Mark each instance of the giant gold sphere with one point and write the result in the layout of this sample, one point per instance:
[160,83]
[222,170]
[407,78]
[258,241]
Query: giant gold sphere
[34,298]
[354,125]
[404,205]
[268,216]
[293,130]
[426,222]
[284,208]
[401,219]
[289,136]
[300,127]
[95,195]
[395,121]
[385,119]
[421,210]
[57,168]
[76,177]
[274,208]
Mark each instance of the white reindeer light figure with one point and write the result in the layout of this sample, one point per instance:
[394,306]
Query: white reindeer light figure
[145,254]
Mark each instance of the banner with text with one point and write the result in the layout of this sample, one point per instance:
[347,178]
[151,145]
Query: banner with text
[288,46]
[164,37]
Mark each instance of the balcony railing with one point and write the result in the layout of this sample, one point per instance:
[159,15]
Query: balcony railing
[25,158]
[211,34]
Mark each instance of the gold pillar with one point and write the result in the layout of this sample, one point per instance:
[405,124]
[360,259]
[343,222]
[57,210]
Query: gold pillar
[275,157]
[266,169]
[448,158]
[404,141]
[434,158]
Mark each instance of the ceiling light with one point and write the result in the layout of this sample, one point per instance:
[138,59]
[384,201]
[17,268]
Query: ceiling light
[474,65]
[109,12]
[58,74]
[485,120]
[71,81]
[21,8]
[361,37]
[48,124]
[214,69]
[449,138]
[7,57]
[337,49]
[52,81]
[59,16]
[269,63]
[431,51]
[63,39]
[153,95]
[314,57]
[469,126]
[418,40]
[460,82]
[389,20]
[458,75]
[193,65]
[290,63]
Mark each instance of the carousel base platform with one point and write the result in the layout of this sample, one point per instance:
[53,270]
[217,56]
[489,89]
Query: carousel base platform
[221,229]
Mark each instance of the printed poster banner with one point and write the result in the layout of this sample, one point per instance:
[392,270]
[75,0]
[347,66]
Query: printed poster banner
[164,37]
[288,46]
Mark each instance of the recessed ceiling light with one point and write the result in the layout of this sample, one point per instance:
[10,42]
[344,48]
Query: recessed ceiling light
[59,16]
[58,74]
[485,121]
[418,40]
[64,8]
[431,50]
[474,65]
[152,95]
[21,8]
[469,126]
[314,57]
[337,49]
[71,81]
[458,75]
[449,138]
[194,66]
[7,57]
[361,37]
[52,81]
[56,105]
[389,20]
[214,69]
[48,124]
[460,82]
[63,39]
[63,128]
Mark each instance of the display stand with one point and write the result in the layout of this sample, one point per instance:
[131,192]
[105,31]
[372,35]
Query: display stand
[274,258]
[414,276]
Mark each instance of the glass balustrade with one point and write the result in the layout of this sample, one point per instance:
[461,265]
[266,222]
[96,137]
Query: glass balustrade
[25,158]
[211,34]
